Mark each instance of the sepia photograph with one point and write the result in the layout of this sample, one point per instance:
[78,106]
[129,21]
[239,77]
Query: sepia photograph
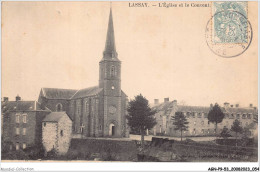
[129,81]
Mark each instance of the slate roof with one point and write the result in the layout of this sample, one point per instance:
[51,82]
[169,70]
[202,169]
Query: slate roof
[57,93]
[193,108]
[21,106]
[167,107]
[87,92]
[163,106]
[54,117]
[239,110]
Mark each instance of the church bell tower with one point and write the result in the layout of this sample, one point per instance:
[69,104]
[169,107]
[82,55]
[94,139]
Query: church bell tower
[110,81]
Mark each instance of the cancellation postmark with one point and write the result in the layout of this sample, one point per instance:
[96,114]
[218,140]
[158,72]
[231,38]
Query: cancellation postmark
[229,32]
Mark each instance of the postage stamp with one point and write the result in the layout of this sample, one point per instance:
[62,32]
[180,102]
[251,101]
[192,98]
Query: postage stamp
[229,24]
[228,32]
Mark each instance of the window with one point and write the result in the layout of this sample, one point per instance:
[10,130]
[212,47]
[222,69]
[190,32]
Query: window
[61,132]
[17,146]
[238,116]
[44,124]
[227,115]
[249,116]
[244,116]
[202,131]
[194,131]
[24,118]
[232,116]
[199,115]
[100,127]
[78,110]
[188,114]
[59,107]
[24,145]
[193,114]
[81,128]
[24,131]
[87,108]
[113,71]
[17,118]
[17,131]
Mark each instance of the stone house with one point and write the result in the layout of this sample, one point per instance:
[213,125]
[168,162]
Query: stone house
[197,116]
[56,132]
[22,123]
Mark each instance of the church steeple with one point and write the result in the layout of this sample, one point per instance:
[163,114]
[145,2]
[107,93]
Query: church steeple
[110,47]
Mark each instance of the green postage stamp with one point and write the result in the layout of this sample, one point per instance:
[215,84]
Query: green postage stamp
[229,31]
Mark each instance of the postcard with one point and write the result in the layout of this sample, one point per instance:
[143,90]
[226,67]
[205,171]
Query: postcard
[130,81]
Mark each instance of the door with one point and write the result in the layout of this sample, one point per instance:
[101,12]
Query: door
[111,129]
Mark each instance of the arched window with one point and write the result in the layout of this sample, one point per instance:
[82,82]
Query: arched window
[59,107]
[113,71]
[87,107]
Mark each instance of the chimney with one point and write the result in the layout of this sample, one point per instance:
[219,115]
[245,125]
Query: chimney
[226,104]
[174,102]
[5,99]
[237,105]
[156,101]
[251,105]
[17,98]
[231,105]
[166,99]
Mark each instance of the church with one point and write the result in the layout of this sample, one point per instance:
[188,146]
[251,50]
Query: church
[98,111]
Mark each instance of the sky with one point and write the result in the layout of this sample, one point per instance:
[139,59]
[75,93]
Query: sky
[163,52]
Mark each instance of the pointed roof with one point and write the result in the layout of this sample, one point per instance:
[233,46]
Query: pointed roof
[91,91]
[110,47]
[21,106]
[58,93]
[54,116]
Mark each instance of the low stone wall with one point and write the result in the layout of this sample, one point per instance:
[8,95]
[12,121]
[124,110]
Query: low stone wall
[103,149]
[166,150]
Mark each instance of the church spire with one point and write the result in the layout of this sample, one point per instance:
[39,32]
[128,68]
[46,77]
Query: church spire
[110,47]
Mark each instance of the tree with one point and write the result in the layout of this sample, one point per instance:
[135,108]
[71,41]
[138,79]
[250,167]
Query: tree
[140,116]
[180,122]
[225,134]
[236,127]
[215,116]
[245,136]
